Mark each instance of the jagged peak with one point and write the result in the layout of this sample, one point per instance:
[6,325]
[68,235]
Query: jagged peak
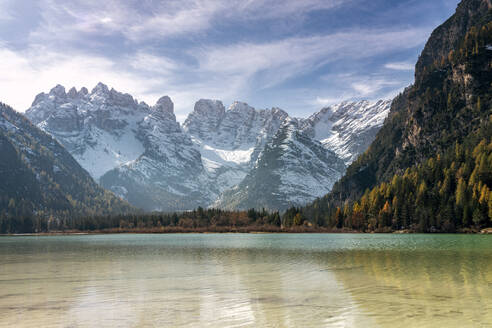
[350,103]
[40,97]
[100,88]
[72,93]
[84,91]
[239,106]
[58,90]
[164,104]
[349,106]
[209,106]
[279,111]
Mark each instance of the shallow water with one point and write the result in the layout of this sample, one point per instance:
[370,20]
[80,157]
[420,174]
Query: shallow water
[246,280]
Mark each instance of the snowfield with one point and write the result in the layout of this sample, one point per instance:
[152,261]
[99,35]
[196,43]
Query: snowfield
[217,157]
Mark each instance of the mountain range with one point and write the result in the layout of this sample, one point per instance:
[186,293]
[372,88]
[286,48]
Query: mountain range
[218,157]
[421,162]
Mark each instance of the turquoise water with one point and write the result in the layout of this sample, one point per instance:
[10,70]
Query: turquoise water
[246,280]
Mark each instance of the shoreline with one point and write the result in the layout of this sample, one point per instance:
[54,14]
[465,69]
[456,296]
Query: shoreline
[486,231]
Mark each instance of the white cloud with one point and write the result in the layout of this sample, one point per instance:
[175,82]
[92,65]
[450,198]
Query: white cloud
[326,101]
[139,21]
[273,63]
[264,9]
[400,66]
[29,73]
[152,63]
[368,87]
[357,86]
[231,72]
[194,16]
[25,74]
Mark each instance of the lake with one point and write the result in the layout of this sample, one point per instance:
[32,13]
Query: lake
[246,280]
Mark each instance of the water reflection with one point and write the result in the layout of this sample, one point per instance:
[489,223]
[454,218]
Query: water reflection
[421,289]
[245,281]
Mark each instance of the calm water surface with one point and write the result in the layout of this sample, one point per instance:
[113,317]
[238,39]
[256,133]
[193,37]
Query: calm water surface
[236,280]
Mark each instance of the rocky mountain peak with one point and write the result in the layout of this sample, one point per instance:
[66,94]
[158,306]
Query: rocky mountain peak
[84,91]
[164,104]
[72,93]
[239,106]
[164,109]
[447,36]
[209,107]
[100,88]
[39,98]
[349,127]
[143,153]
[58,91]
[205,118]
[279,112]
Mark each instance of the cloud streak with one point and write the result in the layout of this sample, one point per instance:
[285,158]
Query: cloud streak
[400,66]
[268,53]
[226,72]
[139,21]
[292,56]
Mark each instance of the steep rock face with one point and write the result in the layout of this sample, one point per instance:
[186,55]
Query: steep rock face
[169,174]
[451,99]
[292,170]
[39,177]
[448,36]
[231,140]
[205,118]
[137,151]
[99,128]
[347,128]
[142,154]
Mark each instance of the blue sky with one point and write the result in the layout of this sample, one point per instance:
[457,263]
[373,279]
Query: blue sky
[299,55]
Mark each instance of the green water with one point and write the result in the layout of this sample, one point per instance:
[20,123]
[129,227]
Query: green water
[246,280]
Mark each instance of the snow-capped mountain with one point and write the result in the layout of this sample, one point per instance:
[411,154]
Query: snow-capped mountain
[292,169]
[230,141]
[137,151]
[169,174]
[143,154]
[99,128]
[349,127]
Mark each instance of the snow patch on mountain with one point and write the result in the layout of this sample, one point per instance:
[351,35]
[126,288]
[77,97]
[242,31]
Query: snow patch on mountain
[292,170]
[230,140]
[109,152]
[99,128]
[347,128]
[219,155]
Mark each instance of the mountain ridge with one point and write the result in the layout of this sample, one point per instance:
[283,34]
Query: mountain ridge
[143,154]
[449,104]
[42,181]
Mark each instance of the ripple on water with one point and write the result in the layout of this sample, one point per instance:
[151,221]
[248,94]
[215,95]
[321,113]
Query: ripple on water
[234,280]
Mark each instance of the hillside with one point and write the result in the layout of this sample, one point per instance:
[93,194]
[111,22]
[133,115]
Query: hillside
[448,106]
[42,184]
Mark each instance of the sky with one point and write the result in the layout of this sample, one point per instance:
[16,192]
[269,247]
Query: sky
[299,55]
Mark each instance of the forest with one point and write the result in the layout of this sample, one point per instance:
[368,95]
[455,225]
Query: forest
[199,220]
[429,169]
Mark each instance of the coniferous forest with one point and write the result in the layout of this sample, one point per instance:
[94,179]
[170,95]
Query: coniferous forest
[428,170]
[430,167]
